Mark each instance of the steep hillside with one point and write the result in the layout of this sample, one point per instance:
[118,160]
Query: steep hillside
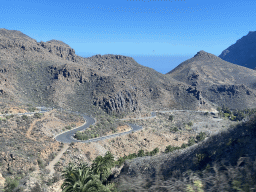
[223,162]
[242,52]
[50,73]
[218,81]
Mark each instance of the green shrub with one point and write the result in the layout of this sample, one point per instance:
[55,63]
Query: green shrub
[68,127]
[154,152]
[184,145]
[174,129]
[170,148]
[141,153]
[171,118]
[190,124]
[41,163]
[226,115]
[24,117]
[201,136]
[38,115]
[191,141]
[11,184]
[132,156]
[81,136]
[31,109]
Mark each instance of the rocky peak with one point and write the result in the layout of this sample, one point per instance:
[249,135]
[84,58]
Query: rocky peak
[25,47]
[59,48]
[14,35]
[205,55]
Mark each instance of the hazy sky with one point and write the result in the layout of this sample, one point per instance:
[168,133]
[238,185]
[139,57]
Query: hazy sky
[159,34]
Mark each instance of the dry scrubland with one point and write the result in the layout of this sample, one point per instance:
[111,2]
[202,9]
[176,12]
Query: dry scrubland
[226,161]
[27,143]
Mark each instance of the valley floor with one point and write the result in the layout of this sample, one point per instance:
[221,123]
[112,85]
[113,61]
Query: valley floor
[157,132]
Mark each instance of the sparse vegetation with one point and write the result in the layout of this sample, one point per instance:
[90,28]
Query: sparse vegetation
[105,123]
[38,115]
[171,117]
[235,115]
[11,184]
[225,162]
[174,129]
[190,124]
[68,127]
[24,117]
[31,108]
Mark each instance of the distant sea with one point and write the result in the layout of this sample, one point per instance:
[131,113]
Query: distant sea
[161,63]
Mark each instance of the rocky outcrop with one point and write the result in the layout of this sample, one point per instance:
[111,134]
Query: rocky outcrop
[242,52]
[232,96]
[123,101]
[25,47]
[59,48]
[231,89]
[204,54]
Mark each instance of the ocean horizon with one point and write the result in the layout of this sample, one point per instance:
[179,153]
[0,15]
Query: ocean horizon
[161,63]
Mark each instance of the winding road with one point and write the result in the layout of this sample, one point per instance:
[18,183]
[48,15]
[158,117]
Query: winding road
[68,136]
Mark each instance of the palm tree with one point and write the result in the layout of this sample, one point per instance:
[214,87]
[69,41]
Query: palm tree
[102,165]
[81,179]
[109,159]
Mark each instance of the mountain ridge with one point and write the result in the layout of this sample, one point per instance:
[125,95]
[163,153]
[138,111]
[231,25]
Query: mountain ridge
[242,52]
[116,83]
[113,83]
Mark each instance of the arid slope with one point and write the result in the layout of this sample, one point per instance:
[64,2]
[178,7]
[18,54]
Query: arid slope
[218,81]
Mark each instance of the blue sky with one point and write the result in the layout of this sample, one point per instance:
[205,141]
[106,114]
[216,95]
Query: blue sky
[157,34]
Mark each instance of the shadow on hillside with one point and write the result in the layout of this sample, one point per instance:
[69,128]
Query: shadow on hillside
[223,162]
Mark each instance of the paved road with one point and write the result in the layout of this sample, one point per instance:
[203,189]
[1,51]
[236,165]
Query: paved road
[153,114]
[43,110]
[68,136]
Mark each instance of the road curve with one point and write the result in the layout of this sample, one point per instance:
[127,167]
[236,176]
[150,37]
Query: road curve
[68,136]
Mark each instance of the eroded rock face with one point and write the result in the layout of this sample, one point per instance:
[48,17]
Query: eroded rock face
[60,49]
[123,101]
[231,89]
[232,96]
[21,46]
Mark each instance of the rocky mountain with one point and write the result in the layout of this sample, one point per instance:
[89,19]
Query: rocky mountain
[218,81]
[242,52]
[50,73]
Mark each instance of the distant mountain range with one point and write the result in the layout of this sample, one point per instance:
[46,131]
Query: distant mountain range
[50,73]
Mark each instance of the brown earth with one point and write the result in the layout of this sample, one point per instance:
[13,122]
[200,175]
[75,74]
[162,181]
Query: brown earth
[30,148]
